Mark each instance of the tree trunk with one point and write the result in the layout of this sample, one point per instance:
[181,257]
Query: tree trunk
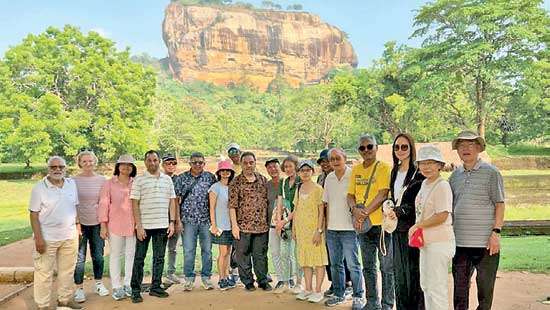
[480,108]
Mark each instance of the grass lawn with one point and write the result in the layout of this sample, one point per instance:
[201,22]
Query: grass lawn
[499,151]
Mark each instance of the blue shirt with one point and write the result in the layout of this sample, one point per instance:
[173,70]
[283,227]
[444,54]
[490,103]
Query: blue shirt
[194,209]
[222,211]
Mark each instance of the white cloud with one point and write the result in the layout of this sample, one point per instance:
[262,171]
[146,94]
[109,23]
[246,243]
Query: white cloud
[102,32]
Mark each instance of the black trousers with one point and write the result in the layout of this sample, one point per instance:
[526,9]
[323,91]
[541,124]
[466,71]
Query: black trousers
[486,266]
[329,273]
[252,249]
[160,237]
[408,294]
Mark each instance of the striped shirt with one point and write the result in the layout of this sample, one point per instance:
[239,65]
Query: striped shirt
[154,194]
[475,195]
[88,197]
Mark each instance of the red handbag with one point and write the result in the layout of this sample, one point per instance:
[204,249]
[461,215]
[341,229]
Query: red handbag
[417,238]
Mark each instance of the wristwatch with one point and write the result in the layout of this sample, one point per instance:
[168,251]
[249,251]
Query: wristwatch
[172,221]
[320,231]
[496,230]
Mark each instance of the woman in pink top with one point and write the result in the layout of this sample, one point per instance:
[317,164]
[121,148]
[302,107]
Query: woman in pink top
[434,204]
[117,224]
[88,185]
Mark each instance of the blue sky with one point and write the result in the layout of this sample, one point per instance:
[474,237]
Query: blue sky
[137,23]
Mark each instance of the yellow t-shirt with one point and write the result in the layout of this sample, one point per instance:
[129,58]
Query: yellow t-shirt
[358,184]
[238,169]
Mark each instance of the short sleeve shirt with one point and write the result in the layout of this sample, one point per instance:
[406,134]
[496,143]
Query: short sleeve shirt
[359,182]
[475,195]
[272,194]
[154,194]
[194,208]
[222,200]
[56,209]
[88,198]
[249,199]
[434,198]
[335,195]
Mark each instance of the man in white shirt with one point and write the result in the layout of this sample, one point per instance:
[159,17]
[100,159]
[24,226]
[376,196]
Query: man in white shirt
[341,236]
[53,220]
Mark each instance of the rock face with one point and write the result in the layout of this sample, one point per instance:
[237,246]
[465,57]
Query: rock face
[230,45]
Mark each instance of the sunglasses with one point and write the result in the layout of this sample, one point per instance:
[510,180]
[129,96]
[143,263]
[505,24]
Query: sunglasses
[362,148]
[233,152]
[171,163]
[403,147]
[198,163]
[57,167]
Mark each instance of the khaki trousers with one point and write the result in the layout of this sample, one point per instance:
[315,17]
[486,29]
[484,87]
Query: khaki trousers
[64,254]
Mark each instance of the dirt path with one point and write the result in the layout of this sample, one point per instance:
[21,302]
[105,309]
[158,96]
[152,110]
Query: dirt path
[514,291]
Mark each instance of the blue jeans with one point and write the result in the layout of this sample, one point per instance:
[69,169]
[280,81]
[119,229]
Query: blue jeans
[343,244]
[370,249]
[190,234]
[90,234]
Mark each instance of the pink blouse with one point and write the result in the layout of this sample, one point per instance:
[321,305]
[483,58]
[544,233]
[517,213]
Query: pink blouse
[115,207]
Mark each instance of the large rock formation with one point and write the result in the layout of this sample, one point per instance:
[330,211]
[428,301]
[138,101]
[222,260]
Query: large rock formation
[226,45]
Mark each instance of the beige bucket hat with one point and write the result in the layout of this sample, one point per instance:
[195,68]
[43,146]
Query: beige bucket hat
[469,135]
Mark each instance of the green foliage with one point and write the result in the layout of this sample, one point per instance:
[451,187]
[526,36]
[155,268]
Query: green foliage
[295,7]
[63,90]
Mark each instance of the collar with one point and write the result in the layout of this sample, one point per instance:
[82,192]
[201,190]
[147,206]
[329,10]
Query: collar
[475,167]
[149,175]
[50,185]
[332,174]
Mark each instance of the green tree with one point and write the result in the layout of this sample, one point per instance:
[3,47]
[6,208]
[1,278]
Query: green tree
[96,96]
[485,46]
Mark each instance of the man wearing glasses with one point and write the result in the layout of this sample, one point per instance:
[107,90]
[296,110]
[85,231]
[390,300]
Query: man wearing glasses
[234,153]
[53,220]
[169,166]
[192,191]
[368,188]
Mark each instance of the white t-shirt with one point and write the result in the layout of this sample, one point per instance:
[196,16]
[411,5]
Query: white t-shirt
[57,209]
[398,185]
[335,195]
[431,200]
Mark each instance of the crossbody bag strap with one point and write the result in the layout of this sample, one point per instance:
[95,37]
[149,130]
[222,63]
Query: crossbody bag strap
[425,199]
[370,182]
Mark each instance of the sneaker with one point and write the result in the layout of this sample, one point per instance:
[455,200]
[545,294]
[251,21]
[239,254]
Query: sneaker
[281,287]
[79,295]
[237,280]
[222,285]
[189,284]
[158,292]
[291,283]
[297,289]
[329,293]
[303,295]
[118,293]
[100,289]
[250,287]
[348,293]
[269,278]
[172,279]
[315,297]
[231,283]
[334,301]
[128,290]
[71,304]
[266,287]
[136,298]
[358,303]
[206,284]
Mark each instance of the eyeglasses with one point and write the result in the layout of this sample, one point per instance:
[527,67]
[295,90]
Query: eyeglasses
[56,167]
[403,147]
[171,163]
[198,163]
[362,148]
[233,152]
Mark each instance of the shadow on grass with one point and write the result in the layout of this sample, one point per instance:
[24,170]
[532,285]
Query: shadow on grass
[10,236]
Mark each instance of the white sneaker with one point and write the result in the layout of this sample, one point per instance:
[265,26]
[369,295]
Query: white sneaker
[315,297]
[172,279]
[79,295]
[303,295]
[297,289]
[189,285]
[100,289]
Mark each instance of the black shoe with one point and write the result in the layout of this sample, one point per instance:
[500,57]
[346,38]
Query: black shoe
[158,292]
[279,284]
[250,287]
[266,287]
[136,298]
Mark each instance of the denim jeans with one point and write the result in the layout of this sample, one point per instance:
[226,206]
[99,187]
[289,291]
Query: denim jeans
[283,256]
[159,237]
[343,245]
[486,266]
[171,247]
[190,234]
[370,249]
[90,234]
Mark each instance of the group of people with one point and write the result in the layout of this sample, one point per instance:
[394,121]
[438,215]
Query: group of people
[406,217]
